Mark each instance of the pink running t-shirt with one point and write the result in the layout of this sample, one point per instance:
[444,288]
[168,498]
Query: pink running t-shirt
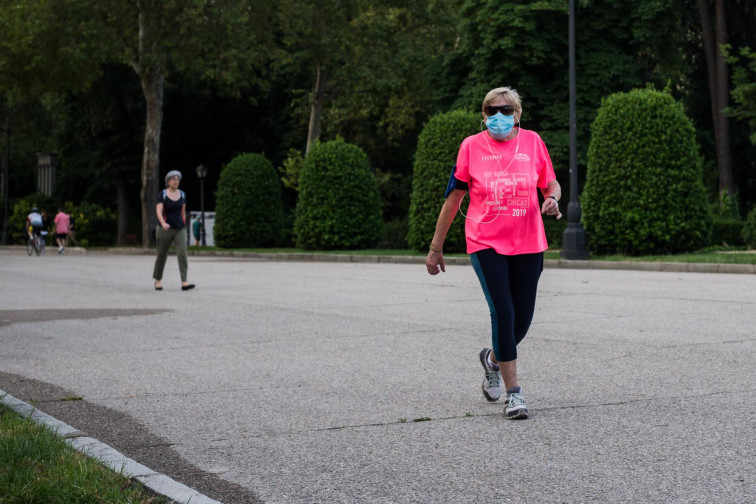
[61,223]
[504,213]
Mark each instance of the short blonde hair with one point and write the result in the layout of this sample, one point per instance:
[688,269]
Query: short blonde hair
[510,96]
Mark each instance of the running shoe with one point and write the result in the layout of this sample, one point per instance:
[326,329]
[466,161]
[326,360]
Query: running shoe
[516,408]
[492,382]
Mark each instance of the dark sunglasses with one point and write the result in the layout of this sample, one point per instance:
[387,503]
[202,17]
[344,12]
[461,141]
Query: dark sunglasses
[506,110]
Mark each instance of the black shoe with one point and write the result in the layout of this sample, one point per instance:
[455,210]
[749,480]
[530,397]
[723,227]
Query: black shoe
[187,287]
[158,288]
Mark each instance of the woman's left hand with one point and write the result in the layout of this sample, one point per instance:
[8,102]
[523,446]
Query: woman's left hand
[551,207]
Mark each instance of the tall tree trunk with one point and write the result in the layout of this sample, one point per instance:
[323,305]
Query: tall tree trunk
[151,71]
[719,87]
[122,211]
[153,94]
[316,107]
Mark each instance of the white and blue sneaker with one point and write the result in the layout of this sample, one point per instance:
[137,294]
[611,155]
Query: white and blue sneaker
[492,382]
[516,408]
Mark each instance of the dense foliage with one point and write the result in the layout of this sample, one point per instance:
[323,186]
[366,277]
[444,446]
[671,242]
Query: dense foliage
[436,154]
[749,229]
[339,205]
[644,192]
[95,224]
[68,83]
[249,208]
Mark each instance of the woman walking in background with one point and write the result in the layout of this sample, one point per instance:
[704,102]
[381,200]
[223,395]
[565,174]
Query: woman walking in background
[61,230]
[501,168]
[171,215]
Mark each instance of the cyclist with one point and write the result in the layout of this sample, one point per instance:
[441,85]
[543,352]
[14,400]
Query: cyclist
[34,224]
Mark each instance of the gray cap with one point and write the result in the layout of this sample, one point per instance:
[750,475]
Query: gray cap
[171,174]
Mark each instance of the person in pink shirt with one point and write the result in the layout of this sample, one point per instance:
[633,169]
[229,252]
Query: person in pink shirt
[61,229]
[502,169]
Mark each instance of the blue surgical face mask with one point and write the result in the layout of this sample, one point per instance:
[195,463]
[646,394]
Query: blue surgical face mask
[500,125]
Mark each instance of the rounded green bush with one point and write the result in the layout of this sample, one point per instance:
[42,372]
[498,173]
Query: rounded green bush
[437,149]
[644,191]
[749,229]
[339,206]
[249,203]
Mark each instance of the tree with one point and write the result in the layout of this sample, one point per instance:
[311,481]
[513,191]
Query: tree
[744,92]
[368,62]
[217,40]
[100,141]
[714,38]
[65,42]
[620,45]
[315,33]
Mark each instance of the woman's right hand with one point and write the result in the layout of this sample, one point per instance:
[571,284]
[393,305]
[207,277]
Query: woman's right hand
[165,226]
[434,262]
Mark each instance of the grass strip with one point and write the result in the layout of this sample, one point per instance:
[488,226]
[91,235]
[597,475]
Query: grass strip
[39,467]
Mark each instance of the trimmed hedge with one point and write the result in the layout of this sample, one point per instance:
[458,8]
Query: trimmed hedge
[339,206]
[437,149]
[644,192]
[249,203]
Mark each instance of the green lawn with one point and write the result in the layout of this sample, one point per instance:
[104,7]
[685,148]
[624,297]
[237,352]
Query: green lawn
[38,467]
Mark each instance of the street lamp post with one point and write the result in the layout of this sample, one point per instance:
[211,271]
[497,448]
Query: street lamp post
[573,238]
[6,184]
[201,174]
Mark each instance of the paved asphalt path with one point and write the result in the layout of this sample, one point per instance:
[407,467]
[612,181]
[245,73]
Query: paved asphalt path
[326,382]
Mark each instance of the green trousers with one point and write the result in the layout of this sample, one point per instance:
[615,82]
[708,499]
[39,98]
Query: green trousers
[165,239]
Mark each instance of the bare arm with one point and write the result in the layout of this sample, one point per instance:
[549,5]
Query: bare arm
[550,205]
[435,260]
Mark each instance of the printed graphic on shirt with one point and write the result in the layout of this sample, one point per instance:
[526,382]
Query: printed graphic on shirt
[507,193]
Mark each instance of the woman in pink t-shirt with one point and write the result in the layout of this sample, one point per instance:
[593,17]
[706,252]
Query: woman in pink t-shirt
[501,169]
[61,230]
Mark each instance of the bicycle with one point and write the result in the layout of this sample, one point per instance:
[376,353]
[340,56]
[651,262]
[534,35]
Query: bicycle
[34,244]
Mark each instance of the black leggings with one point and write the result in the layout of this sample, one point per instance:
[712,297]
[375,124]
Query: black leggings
[510,284]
